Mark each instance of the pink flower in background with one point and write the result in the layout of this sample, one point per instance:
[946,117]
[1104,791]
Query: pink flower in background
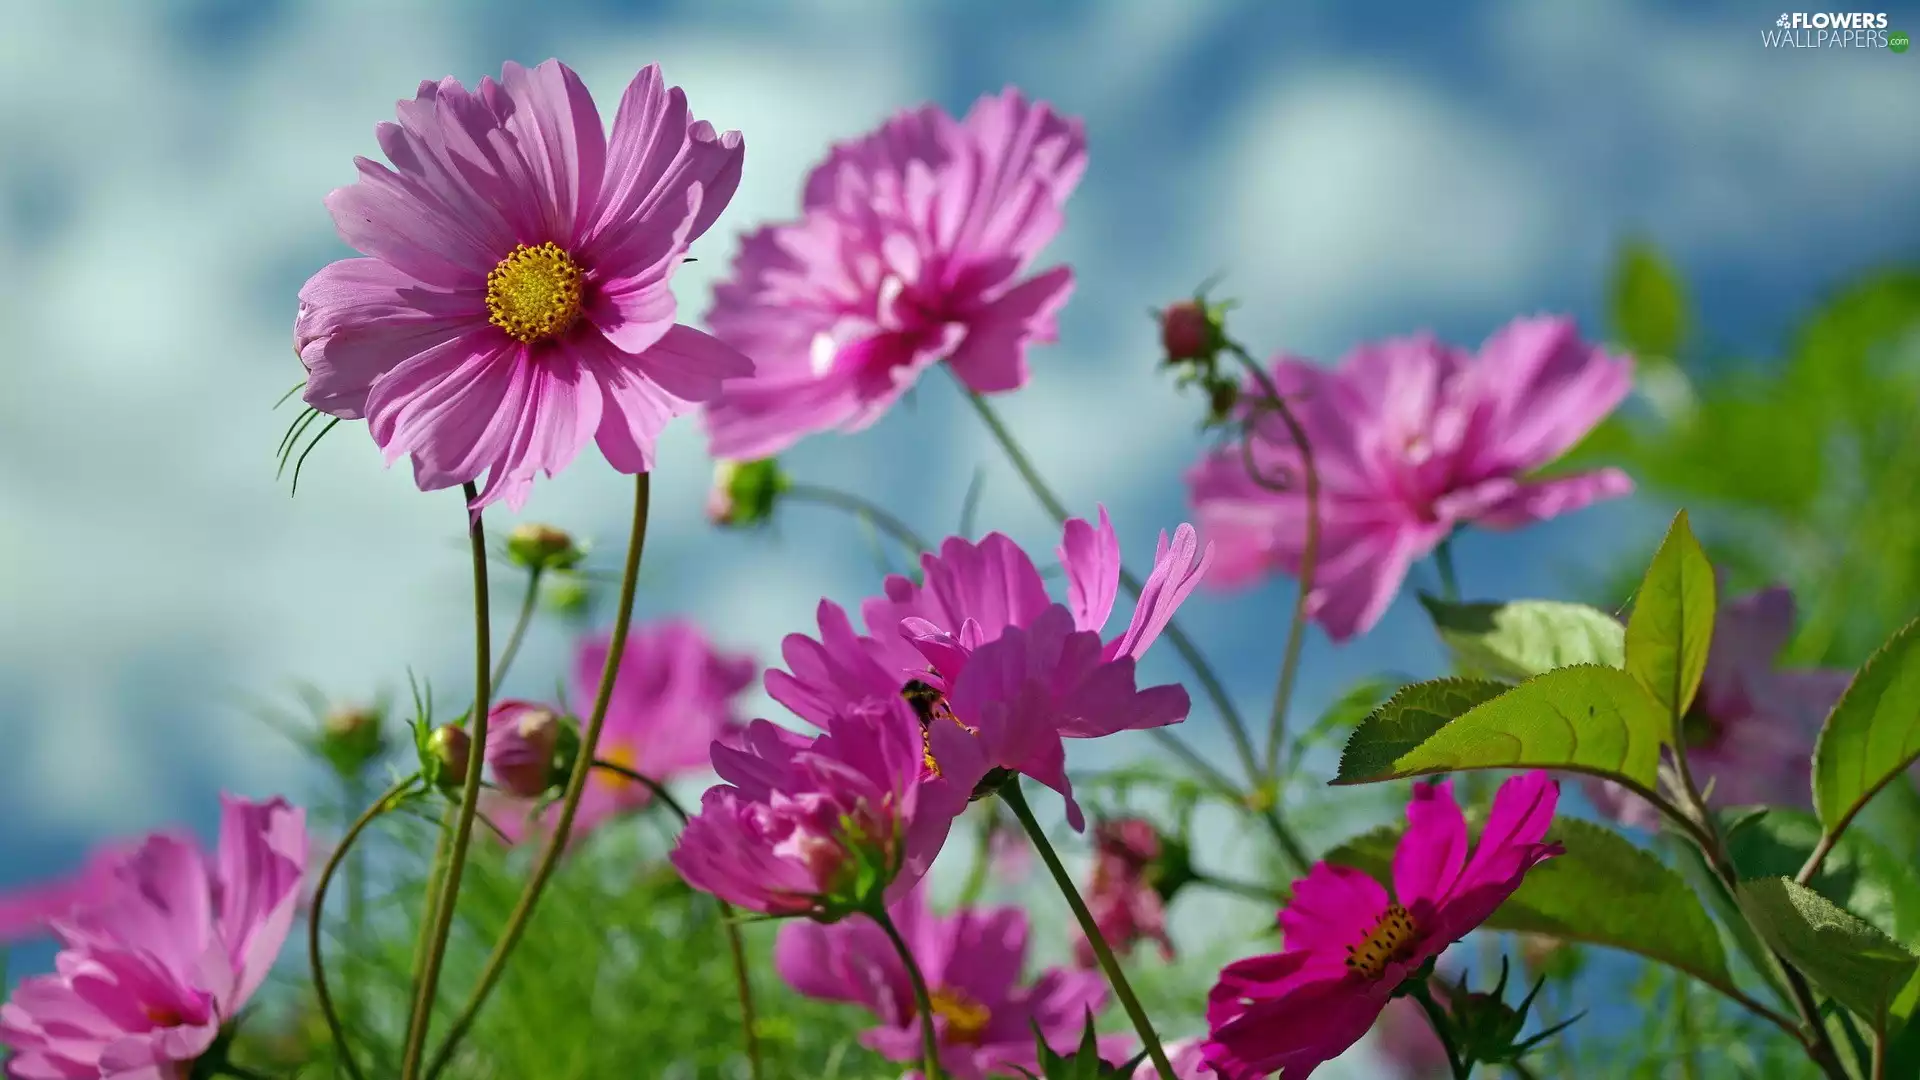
[909,250]
[522,738]
[1125,905]
[1010,854]
[1407,1042]
[676,693]
[1412,439]
[154,963]
[972,960]
[1752,728]
[31,911]
[799,819]
[515,301]
[1349,944]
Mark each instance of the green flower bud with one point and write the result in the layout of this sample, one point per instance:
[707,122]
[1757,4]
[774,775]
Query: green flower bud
[542,547]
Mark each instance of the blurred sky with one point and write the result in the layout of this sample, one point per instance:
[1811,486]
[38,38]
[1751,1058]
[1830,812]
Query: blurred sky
[1356,169]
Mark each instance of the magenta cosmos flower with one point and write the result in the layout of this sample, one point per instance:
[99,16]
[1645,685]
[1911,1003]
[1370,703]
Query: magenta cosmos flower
[1121,896]
[515,301]
[675,694]
[1412,439]
[1752,729]
[1350,945]
[972,960]
[1047,673]
[803,826]
[155,962]
[910,250]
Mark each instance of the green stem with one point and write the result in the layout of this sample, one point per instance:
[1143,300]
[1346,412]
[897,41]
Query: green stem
[520,624]
[861,508]
[1016,801]
[416,1045]
[1443,561]
[922,1001]
[1437,1019]
[1239,888]
[576,780]
[315,921]
[436,876]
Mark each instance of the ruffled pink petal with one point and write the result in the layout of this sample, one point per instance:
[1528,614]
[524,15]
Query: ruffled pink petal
[559,134]
[1025,161]
[634,408]
[762,418]
[691,365]
[30,911]
[399,222]
[359,319]
[992,357]
[1433,850]
[451,144]
[1332,907]
[1541,390]
[994,583]
[444,405]
[656,152]
[1176,572]
[262,862]
[1509,845]
[1295,1034]
[1539,500]
[1355,583]
[557,412]
[1091,558]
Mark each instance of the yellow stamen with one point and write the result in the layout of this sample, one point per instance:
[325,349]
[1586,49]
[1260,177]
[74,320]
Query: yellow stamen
[1388,941]
[534,293]
[966,1018]
[623,755]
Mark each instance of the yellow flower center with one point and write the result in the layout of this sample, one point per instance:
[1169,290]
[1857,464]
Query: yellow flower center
[534,293]
[966,1018]
[1388,941]
[623,755]
[929,705]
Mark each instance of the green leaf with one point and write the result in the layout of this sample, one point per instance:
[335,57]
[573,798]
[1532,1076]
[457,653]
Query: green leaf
[1647,303]
[1873,733]
[1603,891]
[1524,638]
[1672,621]
[1585,718]
[1859,874]
[1842,954]
[1408,719]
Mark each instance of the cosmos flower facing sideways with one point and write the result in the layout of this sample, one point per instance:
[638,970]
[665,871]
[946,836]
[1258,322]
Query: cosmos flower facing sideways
[983,1011]
[909,250]
[1121,895]
[153,964]
[1349,944]
[514,302]
[1411,439]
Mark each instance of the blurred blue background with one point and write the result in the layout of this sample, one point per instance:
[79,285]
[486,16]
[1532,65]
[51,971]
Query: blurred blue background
[1356,170]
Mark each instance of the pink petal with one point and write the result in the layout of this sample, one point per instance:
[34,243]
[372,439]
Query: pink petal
[1509,845]
[558,130]
[1542,390]
[443,404]
[1542,499]
[397,221]
[992,357]
[759,419]
[262,862]
[634,408]
[1332,907]
[360,318]
[691,365]
[1175,574]
[1750,633]
[1091,557]
[1356,582]
[1433,850]
[657,150]
[558,413]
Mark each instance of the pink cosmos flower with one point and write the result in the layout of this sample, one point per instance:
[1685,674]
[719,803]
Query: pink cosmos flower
[515,301]
[910,250]
[971,960]
[1125,905]
[801,822]
[1751,730]
[156,962]
[676,693]
[1349,945]
[522,738]
[1411,439]
[32,910]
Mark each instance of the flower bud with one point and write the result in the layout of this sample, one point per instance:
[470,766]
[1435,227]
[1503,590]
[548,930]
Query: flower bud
[567,594]
[744,492]
[350,738]
[521,739]
[448,749]
[1187,331]
[542,547]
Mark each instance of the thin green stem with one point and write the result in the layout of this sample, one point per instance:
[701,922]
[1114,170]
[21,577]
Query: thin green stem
[1443,561]
[576,780]
[922,1000]
[436,876]
[315,921]
[354,789]
[1239,888]
[520,623]
[1017,802]
[862,508]
[416,1045]
[1437,1019]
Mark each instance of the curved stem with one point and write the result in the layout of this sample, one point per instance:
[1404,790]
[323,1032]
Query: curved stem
[520,624]
[436,875]
[410,1059]
[1016,801]
[576,781]
[922,1001]
[1437,1019]
[860,507]
[314,922]
[1443,561]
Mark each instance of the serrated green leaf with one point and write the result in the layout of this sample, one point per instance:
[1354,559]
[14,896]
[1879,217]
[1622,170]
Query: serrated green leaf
[1589,719]
[1873,734]
[1524,638]
[1860,874]
[1647,304]
[1842,954]
[1409,718]
[1603,891]
[1672,621]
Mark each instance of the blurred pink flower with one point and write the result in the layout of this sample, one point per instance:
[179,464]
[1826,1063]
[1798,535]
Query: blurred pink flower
[155,962]
[31,911]
[1407,1042]
[1412,439]
[1349,945]
[803,825]
[675,694]
[1125,905]
[1752,728]
[909,250]
[515,303]
[521,740]
[972,961]
[1010,854]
